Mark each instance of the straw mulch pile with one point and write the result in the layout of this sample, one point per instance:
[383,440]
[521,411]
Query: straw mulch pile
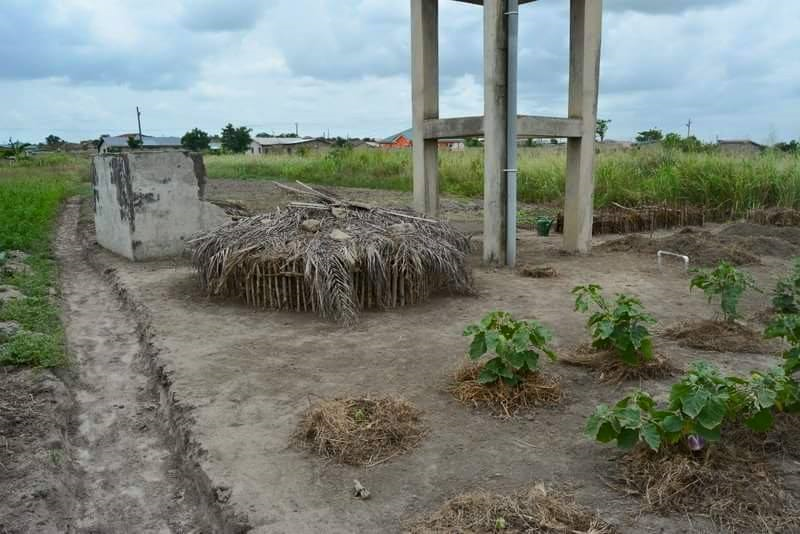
[535,389]
[730,483]
[717,336]
[538,271]
[360,431]
[332,257]
[611,369]
[535,510]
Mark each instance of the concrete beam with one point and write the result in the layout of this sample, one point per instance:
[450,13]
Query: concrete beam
[495,50]
[527,126]
[425,102]
[584,76]
[456,127]
[533,126]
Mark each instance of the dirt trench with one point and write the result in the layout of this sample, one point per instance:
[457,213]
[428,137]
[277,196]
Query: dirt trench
[128,480]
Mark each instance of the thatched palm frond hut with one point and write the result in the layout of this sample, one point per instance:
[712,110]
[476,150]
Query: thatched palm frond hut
[332,257]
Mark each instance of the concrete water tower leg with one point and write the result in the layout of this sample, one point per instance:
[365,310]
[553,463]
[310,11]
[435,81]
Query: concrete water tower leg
[495,50]
[425,102]
[584,74]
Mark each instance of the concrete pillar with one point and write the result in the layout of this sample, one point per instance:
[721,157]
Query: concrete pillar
[584,75]
[495,50]
[425,102]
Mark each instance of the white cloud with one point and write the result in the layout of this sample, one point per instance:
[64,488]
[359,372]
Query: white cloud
[78,68]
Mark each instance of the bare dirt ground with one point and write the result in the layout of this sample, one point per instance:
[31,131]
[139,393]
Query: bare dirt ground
[245,376]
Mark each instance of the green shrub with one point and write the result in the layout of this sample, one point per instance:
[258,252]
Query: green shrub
[517,347]
[33,349]
[787,327]
[786,295]
[621,326]
[699,407]
[727,282]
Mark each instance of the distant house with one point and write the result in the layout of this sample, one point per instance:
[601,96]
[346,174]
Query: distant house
[453,145]
[400,140]
[739,146]
[286,145]
[119,143]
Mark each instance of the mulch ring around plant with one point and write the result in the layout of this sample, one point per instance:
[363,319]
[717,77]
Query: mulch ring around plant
[732,484]
[360,431]
[537,509]
[535,389]
[717,336]
[611,369]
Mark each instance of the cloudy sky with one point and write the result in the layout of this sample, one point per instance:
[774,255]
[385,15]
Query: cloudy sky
[78,68]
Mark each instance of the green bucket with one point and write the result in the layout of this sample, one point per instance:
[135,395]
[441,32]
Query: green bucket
[543,225]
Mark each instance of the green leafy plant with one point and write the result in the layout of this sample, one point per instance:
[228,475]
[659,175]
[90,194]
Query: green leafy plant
[787,327]
[517,347]
[786,295]
[699,405]
[620,326]
[727,282]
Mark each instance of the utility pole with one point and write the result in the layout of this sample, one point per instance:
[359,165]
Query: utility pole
[297,129]
[139,120]
[689,129]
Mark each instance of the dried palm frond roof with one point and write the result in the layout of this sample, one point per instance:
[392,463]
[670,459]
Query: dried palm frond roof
[332,256]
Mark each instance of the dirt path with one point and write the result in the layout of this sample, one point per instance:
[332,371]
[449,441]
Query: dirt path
[127,474]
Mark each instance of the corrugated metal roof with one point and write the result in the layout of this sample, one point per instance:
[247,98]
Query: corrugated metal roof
[274,141]
[408,134]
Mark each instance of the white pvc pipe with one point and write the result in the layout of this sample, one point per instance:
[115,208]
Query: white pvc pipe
[685,259]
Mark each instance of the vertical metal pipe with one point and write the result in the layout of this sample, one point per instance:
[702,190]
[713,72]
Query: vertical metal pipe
[512,12]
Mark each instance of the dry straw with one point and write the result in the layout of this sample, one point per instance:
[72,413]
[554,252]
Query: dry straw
[332,257]
[360,431]
[537,509]
[535,389]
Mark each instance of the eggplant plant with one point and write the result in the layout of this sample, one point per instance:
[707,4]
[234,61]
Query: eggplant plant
[620,325]
[787,327]
[517,347]
[727,282]
[786,295]
[698,407]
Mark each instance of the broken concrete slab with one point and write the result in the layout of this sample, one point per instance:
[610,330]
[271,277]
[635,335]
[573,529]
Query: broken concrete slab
[149,204]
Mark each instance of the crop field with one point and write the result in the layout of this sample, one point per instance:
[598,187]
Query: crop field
[592,394]
[631,178]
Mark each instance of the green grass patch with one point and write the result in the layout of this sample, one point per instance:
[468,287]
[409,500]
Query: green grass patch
[633,177]
[31,193]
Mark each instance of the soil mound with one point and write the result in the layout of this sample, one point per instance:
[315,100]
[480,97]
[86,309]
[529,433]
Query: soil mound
[717,336]
[734,485]
[785,233]
[360,431]
[535,510]
[775,216]
[703,248]
[535,389]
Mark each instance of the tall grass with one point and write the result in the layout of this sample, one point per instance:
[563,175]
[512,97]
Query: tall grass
[724,182]
[31,193]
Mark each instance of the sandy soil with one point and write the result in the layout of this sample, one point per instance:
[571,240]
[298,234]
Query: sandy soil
[126,472]
[246,376]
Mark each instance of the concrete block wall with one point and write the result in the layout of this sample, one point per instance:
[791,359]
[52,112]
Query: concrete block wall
[148,204]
